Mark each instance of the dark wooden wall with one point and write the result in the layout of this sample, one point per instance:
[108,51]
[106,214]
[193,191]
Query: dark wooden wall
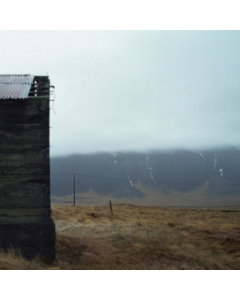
[25,177]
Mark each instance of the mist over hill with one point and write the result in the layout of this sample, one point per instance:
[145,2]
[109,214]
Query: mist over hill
[119,174]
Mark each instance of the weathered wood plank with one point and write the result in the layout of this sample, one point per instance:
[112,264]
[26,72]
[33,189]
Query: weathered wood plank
[25,216]
[23,192]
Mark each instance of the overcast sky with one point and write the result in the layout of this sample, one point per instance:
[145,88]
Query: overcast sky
[134,90]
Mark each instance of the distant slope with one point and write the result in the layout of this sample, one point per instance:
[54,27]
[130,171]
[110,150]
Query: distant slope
[119,174]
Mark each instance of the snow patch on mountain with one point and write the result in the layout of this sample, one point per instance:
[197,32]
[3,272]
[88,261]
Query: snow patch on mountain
[115,155]
[215,162]
[130,181]
[202,155]
[221,171]
[149,168]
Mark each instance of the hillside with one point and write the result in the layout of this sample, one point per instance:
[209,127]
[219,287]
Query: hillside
[128,175]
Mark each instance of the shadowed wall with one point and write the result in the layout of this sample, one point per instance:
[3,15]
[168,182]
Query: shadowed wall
[25,215]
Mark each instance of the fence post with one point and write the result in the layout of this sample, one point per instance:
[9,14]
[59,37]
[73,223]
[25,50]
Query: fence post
[111,207]
[74,189]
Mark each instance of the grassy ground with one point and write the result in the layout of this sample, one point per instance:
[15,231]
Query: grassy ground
[139,237]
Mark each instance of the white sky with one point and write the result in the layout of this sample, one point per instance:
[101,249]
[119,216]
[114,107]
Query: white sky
[133,90]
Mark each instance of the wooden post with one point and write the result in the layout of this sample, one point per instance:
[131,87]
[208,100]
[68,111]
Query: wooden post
[111,207]
[73,189]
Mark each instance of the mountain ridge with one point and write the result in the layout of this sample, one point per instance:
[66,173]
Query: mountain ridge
[165,172]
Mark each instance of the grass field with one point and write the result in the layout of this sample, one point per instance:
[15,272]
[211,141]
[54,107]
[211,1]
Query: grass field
[140,238]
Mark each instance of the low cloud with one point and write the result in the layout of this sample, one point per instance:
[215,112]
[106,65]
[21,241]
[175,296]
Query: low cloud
[134,90]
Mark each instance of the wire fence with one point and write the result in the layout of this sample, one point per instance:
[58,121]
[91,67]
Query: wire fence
[146,181]
[116,178]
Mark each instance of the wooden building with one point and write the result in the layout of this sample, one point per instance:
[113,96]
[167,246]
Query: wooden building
[25,214]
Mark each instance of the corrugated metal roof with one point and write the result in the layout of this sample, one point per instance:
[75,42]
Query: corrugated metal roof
[15,86]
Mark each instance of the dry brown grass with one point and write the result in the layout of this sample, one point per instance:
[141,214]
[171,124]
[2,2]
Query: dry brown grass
[140,237]
[12,260]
